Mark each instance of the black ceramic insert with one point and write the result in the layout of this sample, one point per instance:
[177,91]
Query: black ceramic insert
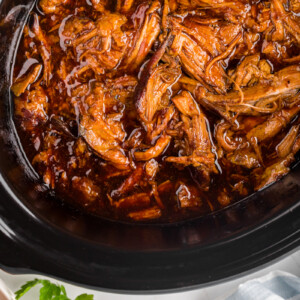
[39,235]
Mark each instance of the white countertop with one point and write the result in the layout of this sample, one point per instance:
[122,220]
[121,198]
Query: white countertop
[290,264]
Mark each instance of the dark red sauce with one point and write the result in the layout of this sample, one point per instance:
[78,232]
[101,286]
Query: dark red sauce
[87,116]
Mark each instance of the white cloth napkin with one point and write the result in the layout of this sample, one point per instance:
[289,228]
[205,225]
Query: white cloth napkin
[276,285]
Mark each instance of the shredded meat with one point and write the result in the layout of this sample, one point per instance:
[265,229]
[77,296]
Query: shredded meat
[52,6]
[261,98]
[159,109]
[197,149]
[22,83]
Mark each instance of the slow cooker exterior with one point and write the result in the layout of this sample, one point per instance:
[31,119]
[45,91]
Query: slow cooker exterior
[38,234]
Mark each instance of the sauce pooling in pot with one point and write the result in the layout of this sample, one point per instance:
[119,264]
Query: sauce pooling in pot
[159,110]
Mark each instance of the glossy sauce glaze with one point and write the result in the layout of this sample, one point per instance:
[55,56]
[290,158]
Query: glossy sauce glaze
[159,110]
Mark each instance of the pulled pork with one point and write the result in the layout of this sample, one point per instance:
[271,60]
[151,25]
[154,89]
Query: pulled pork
[160,109]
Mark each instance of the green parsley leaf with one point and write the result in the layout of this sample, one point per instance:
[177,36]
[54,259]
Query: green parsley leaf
[49,291]
[63,290]
[85,297]
[25,288]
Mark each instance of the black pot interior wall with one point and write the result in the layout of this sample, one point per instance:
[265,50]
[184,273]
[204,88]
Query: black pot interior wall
[53,238]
